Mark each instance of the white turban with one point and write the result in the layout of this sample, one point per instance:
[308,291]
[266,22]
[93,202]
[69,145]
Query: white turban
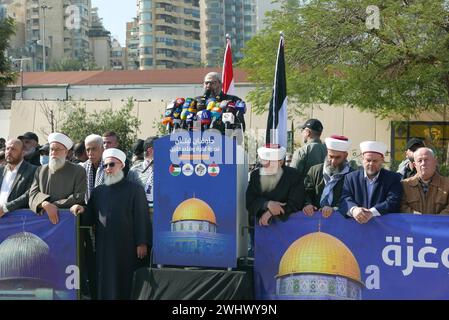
[60,138]
[271,152]
[373,146]
[337,143]
[114,153]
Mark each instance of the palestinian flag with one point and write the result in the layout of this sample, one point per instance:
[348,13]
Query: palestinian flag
[175,170]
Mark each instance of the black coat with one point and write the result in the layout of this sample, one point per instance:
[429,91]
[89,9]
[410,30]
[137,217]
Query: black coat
[120,215]
[290,189]
[18,197]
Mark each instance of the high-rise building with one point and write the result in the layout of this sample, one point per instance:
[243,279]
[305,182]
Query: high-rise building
[65,24]
[132,45]
[169,35]
[220,17]
[100,42]
[262,7]
[118,56]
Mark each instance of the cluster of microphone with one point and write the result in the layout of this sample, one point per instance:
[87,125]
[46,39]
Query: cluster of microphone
[204,113]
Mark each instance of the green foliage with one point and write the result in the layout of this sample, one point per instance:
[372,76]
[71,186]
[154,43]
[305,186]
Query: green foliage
[333,57]
[79,123]
[73,65]
[161,129]
[7,29]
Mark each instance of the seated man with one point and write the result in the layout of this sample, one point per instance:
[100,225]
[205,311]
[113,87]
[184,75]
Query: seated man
[371,191]
[15,178]
[427,191]
[324,182]
[58,184]
[274,191]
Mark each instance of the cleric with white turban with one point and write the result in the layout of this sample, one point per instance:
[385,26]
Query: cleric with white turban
[324,181]
[58,184]
[372,191]
[118,210]
[274,190]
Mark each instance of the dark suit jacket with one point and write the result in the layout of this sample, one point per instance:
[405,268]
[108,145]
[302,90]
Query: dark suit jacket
[290,189]
[386,197]
[18,197]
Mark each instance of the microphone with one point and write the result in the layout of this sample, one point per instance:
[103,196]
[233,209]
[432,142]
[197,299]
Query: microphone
[191,114]
[215,113]
[167,121]
[184,111]
[177,114]
[228,116]
[207,93]
[240,107]
[204,117]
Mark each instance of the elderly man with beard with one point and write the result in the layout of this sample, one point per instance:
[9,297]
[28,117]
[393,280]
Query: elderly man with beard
[371,191]
[427,192]
[324,182]
[15,178]
[118,210]
[95,177]
[274,191]
[58,184]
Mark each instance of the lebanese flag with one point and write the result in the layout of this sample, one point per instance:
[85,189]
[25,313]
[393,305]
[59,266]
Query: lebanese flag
[227,77]
[277,115]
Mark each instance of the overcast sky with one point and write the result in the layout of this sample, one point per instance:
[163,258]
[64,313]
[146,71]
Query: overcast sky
[115,14]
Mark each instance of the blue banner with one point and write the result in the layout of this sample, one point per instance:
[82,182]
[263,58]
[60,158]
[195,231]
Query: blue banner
[396,256]
[194,221]
[38,260]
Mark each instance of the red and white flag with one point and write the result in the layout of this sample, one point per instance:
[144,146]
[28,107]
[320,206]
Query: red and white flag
[227,77]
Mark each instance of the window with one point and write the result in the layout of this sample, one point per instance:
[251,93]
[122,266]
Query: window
[434,134]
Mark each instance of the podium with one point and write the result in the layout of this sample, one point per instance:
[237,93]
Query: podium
[199,219]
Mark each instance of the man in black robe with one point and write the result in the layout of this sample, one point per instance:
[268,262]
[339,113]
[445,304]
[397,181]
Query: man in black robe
[118,209]
[274,191]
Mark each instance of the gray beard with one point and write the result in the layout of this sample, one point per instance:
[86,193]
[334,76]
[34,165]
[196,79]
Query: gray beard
[269,182]
[331,170]
[55,164]
[110,179]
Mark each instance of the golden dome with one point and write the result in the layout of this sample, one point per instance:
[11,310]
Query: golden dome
[321,253]
[194,209]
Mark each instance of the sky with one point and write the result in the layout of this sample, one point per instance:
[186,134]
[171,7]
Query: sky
[115,14]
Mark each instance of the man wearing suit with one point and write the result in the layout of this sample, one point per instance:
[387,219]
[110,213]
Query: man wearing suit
[15,178]
[373,191]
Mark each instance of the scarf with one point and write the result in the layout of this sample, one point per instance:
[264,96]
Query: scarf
[99,177]
[330,181]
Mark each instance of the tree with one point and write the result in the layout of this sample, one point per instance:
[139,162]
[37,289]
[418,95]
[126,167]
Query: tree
[79,123]
[336,54]
[73,65]
[7,29]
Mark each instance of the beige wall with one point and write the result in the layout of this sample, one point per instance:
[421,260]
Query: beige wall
[357,126]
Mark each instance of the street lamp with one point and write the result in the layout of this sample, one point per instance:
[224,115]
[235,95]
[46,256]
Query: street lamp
[21,73]
[44,7]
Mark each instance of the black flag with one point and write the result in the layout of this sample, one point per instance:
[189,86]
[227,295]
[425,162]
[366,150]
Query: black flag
[277,116]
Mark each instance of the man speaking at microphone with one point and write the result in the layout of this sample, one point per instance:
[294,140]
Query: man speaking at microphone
[213,89]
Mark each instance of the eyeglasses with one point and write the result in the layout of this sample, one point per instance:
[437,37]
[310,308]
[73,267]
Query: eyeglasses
[110,165]
[56,150]
[210,82]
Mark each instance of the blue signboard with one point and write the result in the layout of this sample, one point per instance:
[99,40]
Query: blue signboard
[396,256]
[194,221]
[38,260]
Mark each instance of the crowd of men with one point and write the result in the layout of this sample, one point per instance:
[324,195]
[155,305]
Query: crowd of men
[320,179]
[95,180]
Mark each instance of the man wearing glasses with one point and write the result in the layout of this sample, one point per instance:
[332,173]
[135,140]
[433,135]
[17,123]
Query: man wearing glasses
[213,91]
[58,184]
[118,210]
